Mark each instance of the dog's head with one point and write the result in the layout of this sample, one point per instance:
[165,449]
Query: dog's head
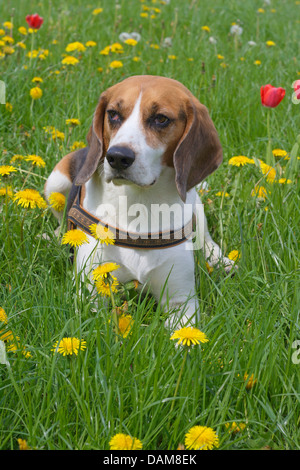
[146,122]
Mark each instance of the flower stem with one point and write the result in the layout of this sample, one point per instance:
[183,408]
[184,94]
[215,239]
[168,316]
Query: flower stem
[22,233]
[114,313]
[269,159]
[179,377]
[76,280]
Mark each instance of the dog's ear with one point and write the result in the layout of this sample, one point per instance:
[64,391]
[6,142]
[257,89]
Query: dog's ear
[95,141]
[199,150]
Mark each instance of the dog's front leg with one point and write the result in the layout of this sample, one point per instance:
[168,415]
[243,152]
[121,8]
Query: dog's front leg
[212,252]
[173,283]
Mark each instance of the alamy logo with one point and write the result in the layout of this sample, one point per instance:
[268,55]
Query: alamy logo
[2,92]
[296,354]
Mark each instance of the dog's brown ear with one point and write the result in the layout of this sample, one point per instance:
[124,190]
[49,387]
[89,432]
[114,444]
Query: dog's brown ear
[95,141]
[199,150]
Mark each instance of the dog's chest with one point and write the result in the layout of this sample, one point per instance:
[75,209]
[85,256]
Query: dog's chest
[135,264]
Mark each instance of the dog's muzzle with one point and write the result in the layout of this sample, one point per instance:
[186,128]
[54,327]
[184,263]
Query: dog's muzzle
[120,158]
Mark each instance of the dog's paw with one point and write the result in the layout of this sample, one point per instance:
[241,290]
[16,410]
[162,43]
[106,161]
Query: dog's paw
[230,266]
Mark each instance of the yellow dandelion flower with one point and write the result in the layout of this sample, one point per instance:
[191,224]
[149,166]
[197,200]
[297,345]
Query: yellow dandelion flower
[260,192]
[23,444]
[96,11]
[219,56]
[77,145]
[250,382]
[6,191]
[91,44]
[57,201]
[37,80]
[30,198]
[105,51]
[270,43]
[125,442]
[8,107]
[172,57]
[8,50]
[234,427]
[102,234]
[69,60]
[56,134]
[16,158]
[69,346]
[75,46]
[257,62]
[279,153]
[117,48]
[116,64]
[74,237]
[8,39]
[22,30]
[32,54]
[36,93]
[209,268]
[189,336]
[3,316]
[222,193]
[284,181]
[104,269]
[6,170]
[106,285]
[201,438]
[268,171]
[125,323]
[8,25]
[205,28]
[35,160]
[240,160]
[21,45]
[234,255]
[7,335]
[131,42]
[73,122]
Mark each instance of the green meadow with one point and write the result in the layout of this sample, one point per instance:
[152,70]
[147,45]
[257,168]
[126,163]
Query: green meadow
[244,382]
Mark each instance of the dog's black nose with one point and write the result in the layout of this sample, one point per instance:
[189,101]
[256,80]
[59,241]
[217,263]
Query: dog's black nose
[120,158]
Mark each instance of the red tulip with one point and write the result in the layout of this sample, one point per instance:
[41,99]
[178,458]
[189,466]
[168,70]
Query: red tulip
[296,85]
[271,96]
[34,21]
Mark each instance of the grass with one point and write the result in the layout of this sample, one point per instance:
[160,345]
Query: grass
[251,319]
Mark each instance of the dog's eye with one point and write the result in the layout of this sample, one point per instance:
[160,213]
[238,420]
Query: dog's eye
[160,120]
[114,116]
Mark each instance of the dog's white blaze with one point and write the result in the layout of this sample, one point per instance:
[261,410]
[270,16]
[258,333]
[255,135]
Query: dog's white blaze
[130,133]
[147,165]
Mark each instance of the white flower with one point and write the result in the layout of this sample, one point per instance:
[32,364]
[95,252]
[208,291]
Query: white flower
[251,43]
[212,40]
[167,42]
[124,36]
[236,29]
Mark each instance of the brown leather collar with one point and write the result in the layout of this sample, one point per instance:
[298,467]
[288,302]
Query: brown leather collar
[81,218]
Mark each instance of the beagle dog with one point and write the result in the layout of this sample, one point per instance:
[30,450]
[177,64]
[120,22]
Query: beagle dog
[150,144]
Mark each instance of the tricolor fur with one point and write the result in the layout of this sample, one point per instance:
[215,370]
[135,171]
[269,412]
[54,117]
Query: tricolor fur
[150,143]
